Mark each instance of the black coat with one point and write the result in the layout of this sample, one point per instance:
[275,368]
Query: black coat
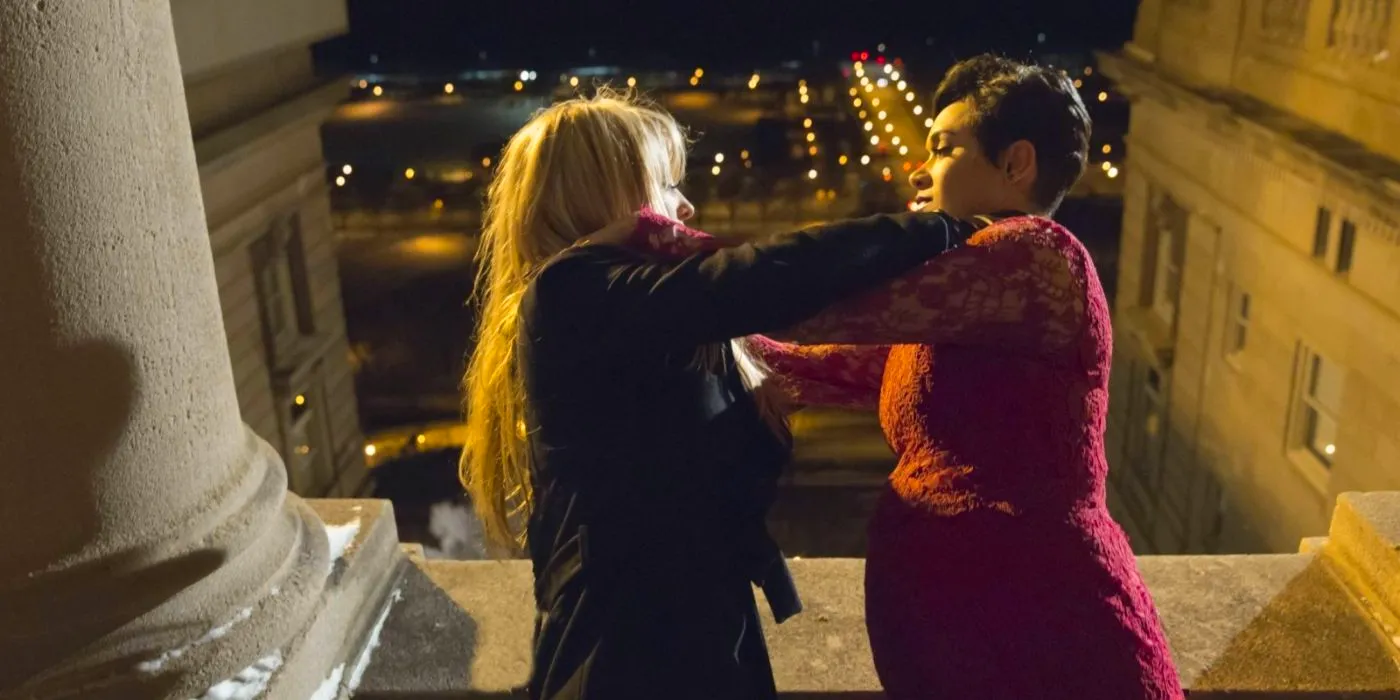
[653,475]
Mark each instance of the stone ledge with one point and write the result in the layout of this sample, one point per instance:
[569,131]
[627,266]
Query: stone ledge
[1281,626]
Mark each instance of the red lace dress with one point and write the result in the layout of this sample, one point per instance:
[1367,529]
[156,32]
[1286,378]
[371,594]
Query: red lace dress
[994,569]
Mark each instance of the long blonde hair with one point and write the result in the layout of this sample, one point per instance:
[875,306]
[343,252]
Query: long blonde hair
[574,168]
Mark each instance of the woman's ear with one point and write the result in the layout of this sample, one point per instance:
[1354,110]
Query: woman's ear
[1018,162]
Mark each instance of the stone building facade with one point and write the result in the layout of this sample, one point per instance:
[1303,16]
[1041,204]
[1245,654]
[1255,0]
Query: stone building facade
[256,106]
[1257,365]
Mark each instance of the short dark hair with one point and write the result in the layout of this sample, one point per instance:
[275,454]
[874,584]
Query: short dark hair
[1013,101]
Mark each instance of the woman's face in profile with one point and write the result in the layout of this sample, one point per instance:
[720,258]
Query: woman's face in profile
[674,204]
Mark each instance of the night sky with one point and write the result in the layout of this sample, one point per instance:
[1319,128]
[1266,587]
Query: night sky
[449,35]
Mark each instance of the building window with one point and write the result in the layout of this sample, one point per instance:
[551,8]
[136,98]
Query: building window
[1146,443]
[1321,232]
[308,453]
[1167,238]
[283,286]
[1346,246]
[1237,336]
[1319,406]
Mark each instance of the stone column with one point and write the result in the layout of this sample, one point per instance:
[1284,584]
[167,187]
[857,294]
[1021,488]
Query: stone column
[148,547]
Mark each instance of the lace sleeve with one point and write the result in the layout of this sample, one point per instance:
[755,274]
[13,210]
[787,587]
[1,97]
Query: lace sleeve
[1019,284]
[843,376]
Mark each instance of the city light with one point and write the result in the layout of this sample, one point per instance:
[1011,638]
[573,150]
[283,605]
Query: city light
[869,89]
[904,150]
[870,126]
[842,160]
[1106,166]
[854,92]
[699,72]
[803,98]
[573,81]
[631,81]
[449,88]
[1078,83]
[811,137]
[364,84]
[719,157]
[486,162]
[1088,70]
[928,123]
[861,114]
[519,86]
[524,75]
[753,81]
[901,85]
[857,102]
[346,169]
[882,83]
[865,160]
[715,170]
[378,90]
[886,171]
[300,400]
[438,204]
[811,174]
[909,96]
[1112,173]
[807,123]
[865,81]
[694,80]
[874,140]
[339,180]
[895,140]
[409,173]
[880,115]
[370,450]
[744,154]
[1107,149]
[1103,97]
[812,151]
[918,109]
[889,128]
[1330,449]
[889,68]
[875,102]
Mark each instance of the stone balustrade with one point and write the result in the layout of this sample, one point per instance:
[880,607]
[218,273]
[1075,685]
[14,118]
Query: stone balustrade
[1320,623]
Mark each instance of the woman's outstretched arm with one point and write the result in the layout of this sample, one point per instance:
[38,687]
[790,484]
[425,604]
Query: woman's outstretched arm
[628,299]
[1019,284]
[843,376]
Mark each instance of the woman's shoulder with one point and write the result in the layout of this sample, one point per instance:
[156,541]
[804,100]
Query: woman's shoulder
[572,280]
[1032,231]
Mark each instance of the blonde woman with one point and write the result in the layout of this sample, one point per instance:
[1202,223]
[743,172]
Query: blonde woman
[611,414]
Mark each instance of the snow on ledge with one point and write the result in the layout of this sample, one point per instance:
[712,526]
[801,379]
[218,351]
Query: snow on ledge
[339,537]
[248,683]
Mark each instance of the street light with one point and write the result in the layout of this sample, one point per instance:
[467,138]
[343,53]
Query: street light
[811,174]
[714,170]
[378,90]
[631,81]
[904,150]
[807,123]
[842,160]
[339,180]
[346,169]
[1103,97]
[889,127]
[874,140]
[928,123]
[918,109]
[519,86]
[449,88]
[895,140]
[409,173]
[1112,173]
[865,160]
[719,157]
[573,81]
[1107,149]
[909,96]
[880,115]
